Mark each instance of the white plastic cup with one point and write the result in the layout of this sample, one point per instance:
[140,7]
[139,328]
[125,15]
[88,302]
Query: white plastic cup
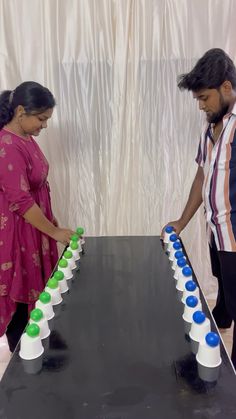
[67,255]
[208,354]
[168,231]
[74,248]
[33,366]
[37,316]
[30,344]
[200,326]
[179,254]
[192,304]
[181,263]
[45,304]
[190,288]
[80,233]
[82,240]
[76,239]
[80,246]
[64,267]
[53,289]
[62,282]
[184,276]
[176,246]
[173,238]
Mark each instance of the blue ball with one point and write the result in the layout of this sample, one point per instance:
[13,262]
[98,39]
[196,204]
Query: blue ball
[169,229]
[173,237]
[179,254]
[191,301]
[190,285]
[187,271]
[177,245]
[181,262]
[199,317]
[212,339]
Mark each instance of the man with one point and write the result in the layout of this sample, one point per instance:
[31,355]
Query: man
[213,84]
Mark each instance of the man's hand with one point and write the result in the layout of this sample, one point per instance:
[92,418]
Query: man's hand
[177,225]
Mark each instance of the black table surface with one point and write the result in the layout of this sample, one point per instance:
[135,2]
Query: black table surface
[117,348]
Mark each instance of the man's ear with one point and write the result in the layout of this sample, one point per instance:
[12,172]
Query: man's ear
[227,87]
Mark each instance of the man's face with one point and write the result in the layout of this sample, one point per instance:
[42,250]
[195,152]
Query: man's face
[213,103]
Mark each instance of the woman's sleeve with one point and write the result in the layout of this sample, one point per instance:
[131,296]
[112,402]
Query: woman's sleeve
[14,180]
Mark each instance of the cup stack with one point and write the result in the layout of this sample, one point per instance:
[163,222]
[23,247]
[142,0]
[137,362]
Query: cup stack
[37,317]
[44,302]
[208,357]
[178,255]
[63,266]
[190,288]
[199,329]
[173,238]
[30,344]
[80,232]
[68,256]
[74,248]
[181,263]
[62,282]
[53,289]
[176,246]
[192,304]
[168,231]
[184,276]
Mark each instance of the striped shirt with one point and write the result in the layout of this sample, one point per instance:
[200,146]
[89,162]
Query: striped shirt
[219,188]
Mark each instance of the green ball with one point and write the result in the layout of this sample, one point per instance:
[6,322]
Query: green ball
[32,330]
[80,231]
[52,283]
[58,275]
[63,263]
[45,297]
[74,246]
[36,315]
[74,238]
[67,254]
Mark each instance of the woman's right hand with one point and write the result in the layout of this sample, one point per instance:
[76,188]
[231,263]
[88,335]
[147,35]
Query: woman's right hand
[63,235]
[177,225]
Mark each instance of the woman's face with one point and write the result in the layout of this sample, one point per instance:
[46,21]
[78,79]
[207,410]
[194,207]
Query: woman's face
[31,124]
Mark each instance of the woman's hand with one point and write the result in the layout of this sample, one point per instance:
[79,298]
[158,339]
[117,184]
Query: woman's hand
[63,235]
[55,222]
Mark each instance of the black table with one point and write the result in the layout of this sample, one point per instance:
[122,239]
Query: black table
[117,348]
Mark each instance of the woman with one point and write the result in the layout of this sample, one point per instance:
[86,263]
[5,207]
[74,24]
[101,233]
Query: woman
[28,229]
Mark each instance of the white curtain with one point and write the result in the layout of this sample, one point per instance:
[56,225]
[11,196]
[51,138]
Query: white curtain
[123,138]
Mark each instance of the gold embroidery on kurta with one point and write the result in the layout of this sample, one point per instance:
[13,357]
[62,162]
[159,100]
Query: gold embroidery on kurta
[7,265]
[3,290]
[6,139]
[3,221]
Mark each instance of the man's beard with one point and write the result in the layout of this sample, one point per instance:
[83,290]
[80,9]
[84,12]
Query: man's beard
[218,116]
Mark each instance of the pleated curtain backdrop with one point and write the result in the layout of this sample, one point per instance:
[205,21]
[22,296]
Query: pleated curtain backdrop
[123,138]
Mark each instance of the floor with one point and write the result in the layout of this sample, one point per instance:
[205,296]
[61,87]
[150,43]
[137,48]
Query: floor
[5,354]
[226,334]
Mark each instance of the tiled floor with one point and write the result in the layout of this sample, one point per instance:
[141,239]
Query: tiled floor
[5,354]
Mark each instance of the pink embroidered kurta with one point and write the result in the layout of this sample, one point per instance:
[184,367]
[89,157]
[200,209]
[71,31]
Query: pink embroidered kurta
[27,257]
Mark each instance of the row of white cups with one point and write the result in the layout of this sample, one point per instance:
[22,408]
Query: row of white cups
[205,344]
[37,330]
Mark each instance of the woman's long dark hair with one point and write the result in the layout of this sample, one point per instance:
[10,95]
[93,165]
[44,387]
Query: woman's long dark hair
[31,95]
